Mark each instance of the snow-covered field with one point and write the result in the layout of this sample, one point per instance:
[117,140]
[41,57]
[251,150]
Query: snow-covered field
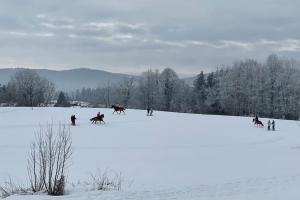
[167,156]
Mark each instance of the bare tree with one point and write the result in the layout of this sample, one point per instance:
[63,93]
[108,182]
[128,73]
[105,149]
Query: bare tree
[48,90]
[29,89]
[48,160]
[169,81]
[107,93]
[124,92]
[149,87]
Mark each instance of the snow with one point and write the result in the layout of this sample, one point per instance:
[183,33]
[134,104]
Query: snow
[166,156]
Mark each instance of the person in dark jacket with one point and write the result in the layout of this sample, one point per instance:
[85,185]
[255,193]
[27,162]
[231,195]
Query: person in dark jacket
[73,118]
[273,125]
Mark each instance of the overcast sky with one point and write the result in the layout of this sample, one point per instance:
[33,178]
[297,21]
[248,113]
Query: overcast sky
[134,35]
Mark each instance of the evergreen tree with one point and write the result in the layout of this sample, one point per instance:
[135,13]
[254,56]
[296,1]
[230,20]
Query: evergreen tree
[62,101]
[200,94]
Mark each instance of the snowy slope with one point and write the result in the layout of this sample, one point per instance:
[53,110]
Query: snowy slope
[167,156]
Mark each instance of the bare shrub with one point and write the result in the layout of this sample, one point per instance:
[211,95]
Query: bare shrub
[107,180]
[48,160]
[9,188]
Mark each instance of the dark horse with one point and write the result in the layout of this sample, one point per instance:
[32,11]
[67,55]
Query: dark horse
[94,120]
[257,122]
[118,109]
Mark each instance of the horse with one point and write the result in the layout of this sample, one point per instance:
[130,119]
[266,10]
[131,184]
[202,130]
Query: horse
[94,120]
[118,109]
[257,122]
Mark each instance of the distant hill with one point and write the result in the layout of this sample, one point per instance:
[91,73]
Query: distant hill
[69,80]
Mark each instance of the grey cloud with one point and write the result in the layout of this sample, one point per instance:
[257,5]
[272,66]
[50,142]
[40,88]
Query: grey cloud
[54,26]
[133,35]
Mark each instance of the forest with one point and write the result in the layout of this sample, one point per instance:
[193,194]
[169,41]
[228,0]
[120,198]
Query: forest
[248,87]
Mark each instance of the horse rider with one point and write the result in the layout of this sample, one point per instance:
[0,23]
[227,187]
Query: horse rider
[256,118]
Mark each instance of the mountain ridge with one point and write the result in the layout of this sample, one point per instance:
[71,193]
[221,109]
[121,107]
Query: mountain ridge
[76,78]
[70,79]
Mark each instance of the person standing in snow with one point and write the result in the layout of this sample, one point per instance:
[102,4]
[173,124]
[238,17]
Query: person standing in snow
[73,118]
[148,110]
[151,111]
[273,125]
[269,125]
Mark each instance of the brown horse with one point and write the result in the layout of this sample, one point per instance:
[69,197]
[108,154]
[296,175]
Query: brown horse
[257,122]
[118,109]
[94,120]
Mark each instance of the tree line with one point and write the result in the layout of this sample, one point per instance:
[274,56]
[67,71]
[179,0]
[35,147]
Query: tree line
[270,89]
[27,88]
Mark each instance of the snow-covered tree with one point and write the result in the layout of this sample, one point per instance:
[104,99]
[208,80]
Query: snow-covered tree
[29,89]
[199,94]
[150,89]
[169,81]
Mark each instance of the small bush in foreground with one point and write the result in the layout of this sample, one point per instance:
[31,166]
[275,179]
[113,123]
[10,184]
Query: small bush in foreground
[107,180]
[48,160]
[9,188]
